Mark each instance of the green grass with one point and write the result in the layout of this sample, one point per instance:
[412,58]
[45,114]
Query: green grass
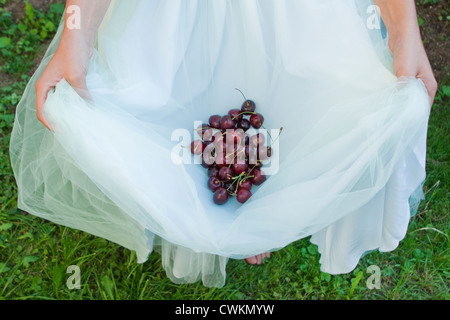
[35,254]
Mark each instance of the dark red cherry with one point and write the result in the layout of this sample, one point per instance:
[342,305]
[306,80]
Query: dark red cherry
[226,173]
[264,153]
[257,140]
[244,124]
[218,138]
[206,164]
[235,114]
[214,121]
[235,136]
[230,158]
[239,168]
[227,123]
[220,196]
[252,156]
[258,177]
[197,147]
[257,120]
[249,170]
[209,149]
[248,150]
[214,183]
[213,172]
[225,148]
[208,145]
[240,154]
[221,160]
[248,106]
[205,132]
[245,184]
[231,188]
[208,160]
[247,139]
[243,195]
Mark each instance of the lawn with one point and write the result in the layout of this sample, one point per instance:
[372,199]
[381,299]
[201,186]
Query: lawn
[35,254]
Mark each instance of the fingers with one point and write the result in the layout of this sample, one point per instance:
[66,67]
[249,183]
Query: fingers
[424,74]
[49,79]
[42,87]
[430,84]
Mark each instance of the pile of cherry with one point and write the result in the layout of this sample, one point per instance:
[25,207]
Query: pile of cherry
[232,156]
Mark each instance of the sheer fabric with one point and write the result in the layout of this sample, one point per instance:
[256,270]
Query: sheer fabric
[351,155]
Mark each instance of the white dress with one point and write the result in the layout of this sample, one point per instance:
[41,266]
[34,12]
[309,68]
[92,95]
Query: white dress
[350,158]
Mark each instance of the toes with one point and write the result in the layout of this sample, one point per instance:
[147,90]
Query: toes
[252,260]
[258,259]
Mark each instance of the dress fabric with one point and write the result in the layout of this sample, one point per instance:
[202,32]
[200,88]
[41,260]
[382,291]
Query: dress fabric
[350,159]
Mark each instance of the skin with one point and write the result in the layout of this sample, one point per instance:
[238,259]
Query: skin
[71,59]
[406,45]
[405,42]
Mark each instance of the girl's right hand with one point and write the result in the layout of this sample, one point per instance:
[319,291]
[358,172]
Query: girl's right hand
[71,62]
[71,59]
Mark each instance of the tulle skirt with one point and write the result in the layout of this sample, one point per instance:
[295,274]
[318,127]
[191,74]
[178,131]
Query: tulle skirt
[349,164]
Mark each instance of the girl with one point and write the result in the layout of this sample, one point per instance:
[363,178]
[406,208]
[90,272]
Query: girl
[117,83]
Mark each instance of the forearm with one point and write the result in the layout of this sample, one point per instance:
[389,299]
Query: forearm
[405,42]
[400,17]
[90,15]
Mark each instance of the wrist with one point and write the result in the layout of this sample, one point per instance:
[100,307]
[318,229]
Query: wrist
[73,41]
[78,37]
[82,20]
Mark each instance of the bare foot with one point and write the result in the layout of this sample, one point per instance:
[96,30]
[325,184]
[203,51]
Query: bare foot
[258,259]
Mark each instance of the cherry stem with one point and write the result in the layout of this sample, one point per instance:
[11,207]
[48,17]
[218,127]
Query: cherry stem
[242,177]
[242,94]
[235,179]
[235,155]
[253,168]
[243,113]
[273,141]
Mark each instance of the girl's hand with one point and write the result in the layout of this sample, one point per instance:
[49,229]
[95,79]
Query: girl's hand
[411,60]
[71,62]
[405,42]
[71,59]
